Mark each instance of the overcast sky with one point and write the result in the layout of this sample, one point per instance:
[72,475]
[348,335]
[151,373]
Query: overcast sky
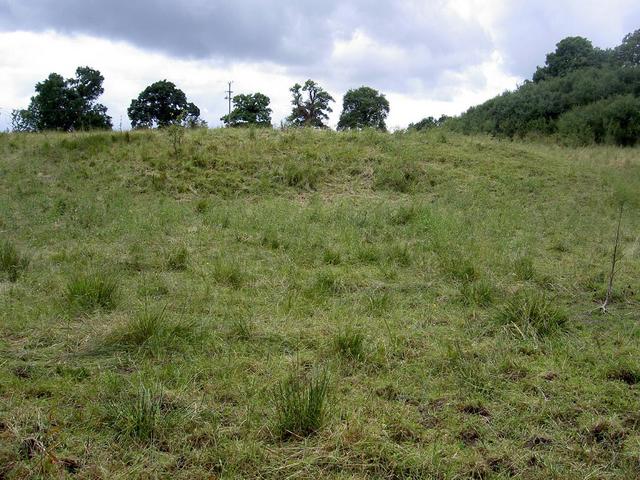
[430,57]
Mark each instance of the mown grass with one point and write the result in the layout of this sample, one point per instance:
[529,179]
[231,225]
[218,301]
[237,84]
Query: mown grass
[301,304]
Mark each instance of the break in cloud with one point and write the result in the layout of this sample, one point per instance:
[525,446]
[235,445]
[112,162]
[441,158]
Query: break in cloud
[430,57]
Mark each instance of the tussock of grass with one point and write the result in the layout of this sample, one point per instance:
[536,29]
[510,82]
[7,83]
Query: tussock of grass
[460,267]
[241,329]
[524,268]
[331,257]
[532,314]
[300,174]
[403,215]
[151,330]
[378,302]
[227,272]
[400,178]
[272,240]
[480,293]
[301,404]
[138,416]
[178,259]
[349,343]
[202,205]
[367,253]
[399,254]
[327,282]
[92,291]
[143,326]
[12,262]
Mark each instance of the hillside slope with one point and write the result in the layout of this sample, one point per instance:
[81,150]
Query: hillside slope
[162,302]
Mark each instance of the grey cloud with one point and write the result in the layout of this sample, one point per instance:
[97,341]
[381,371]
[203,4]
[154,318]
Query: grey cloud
[298,35]
[249,30]
[432,40]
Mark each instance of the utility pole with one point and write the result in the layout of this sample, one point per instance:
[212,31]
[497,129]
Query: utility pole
[228,97]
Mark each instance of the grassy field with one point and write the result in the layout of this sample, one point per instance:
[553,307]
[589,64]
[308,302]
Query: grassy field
[300,304]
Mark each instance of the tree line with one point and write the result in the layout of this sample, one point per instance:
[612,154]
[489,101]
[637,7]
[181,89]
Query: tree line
[72,104]
[581,95]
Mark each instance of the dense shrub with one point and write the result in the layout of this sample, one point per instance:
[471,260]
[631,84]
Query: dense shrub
[614,121]
[535,108]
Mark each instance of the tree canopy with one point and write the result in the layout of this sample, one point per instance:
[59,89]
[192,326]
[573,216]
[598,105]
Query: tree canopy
[628,53]
[363,107]
[571,54]
[582,95]
[65,105]
[310,105]
[428,123]
[162,104]
[252,109]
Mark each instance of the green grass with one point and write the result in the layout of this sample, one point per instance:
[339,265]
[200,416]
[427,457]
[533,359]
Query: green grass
[178,316]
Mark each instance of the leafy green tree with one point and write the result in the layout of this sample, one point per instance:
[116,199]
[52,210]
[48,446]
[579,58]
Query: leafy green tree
[428,123]
[534,108]
[628,54]
[65,105]
[310,105]
[162,104]
[364,107]
[252,109]
[572,53]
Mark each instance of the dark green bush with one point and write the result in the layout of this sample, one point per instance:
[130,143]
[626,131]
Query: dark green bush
[535,108]
[614,121]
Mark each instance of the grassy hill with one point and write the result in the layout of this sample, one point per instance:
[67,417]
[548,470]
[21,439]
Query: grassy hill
[262,304]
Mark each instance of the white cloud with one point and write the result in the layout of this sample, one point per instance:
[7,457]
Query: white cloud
[28,58]
[428,57]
